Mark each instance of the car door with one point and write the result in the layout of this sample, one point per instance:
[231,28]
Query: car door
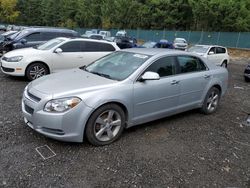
[221,55]
[155,98]
[212,56]
[193,77]
[30,40]
[70,57]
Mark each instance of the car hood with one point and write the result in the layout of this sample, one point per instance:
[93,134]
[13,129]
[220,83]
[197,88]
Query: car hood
[23,52]
[198,53]
[70,82]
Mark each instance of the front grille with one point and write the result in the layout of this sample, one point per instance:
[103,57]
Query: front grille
[8,69]
[33,97]
[28,109]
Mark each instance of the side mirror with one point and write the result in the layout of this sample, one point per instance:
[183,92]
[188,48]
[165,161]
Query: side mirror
[211,53]
[23,41]
[58,50]
[150,76]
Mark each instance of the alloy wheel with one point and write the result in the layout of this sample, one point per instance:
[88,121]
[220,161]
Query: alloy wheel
[212,101]
[107,125]
[37,72]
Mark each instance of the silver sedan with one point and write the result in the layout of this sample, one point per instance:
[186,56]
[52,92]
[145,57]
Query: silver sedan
[120,90]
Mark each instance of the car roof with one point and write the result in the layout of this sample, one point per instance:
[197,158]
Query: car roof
[180,39]
[156,51]
[84,39]
[205,45]
[37,29]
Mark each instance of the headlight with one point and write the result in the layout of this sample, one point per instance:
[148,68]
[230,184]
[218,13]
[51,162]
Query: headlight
[14,59]
[61,105]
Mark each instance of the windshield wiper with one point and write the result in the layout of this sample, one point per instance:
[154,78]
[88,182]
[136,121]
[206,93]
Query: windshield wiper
[101,74]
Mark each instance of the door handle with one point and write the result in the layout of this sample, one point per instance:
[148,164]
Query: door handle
[207,76]
[175,82]
[80,57]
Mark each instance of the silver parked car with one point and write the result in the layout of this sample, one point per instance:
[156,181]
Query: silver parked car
[180,44]
[120,90]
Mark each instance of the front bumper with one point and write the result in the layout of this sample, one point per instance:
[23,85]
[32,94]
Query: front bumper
[12,68]
[68,126]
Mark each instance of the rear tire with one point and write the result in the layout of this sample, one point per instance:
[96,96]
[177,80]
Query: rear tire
[36,70]
[105,125]
[211,101]
[224,64]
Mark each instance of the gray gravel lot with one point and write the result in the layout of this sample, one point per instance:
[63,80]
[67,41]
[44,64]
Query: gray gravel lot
[186,150]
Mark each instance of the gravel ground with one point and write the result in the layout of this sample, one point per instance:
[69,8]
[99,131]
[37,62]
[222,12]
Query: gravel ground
[186,150]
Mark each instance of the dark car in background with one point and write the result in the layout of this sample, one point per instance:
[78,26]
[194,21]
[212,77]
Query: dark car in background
[125,42]
[34,36]
[161,44]
[247,73]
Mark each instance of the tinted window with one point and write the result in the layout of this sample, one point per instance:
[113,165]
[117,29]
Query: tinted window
[33,37]
[97,47]
[212,50]
[48,35]
[190,64]
[220,50]
[74,46]
[164,66]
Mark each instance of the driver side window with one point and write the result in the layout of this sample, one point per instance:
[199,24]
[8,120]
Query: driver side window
[212,50]
[165,66]
[33,37]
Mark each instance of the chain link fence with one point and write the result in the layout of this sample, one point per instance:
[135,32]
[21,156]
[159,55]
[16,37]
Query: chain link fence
[227,39]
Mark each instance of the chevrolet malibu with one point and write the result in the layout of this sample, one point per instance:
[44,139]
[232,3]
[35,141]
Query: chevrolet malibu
[54,56]
[120,90]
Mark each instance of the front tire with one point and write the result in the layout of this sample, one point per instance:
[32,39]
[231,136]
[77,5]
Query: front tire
[247,79]
[36,70]
[105,125]
[211,101]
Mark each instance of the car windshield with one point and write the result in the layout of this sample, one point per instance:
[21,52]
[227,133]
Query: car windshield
[50,44]
[149,44]
[118,65]
[20,33]
[179,41]
[198,49]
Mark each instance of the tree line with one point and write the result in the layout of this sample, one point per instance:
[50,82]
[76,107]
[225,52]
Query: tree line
[207,15]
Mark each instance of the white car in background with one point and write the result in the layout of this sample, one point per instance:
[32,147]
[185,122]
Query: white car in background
[215,54]
[53,56]
[180,44]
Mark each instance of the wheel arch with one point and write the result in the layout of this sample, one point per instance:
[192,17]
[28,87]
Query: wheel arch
[120,104]
[218,87]
[33,62]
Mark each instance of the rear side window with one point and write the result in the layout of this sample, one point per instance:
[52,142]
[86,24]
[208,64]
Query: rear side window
[190,64]
[220,50]
[74,46]
[165,66]
[33,37]
[97,47]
